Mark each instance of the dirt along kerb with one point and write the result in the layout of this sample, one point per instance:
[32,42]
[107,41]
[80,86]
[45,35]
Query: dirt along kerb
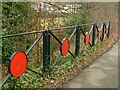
[105,47]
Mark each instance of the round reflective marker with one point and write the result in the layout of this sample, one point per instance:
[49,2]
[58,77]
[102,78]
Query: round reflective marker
[106,30]
[18,64]
[99,33]
[87,38]
[64,47]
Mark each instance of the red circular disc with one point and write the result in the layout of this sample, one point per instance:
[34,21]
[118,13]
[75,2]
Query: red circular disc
[106,29]
[99,33]
[87,38]
[65,47]
[18,64]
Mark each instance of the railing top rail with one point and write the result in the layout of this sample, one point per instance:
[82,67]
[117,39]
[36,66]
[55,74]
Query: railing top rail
[54,29]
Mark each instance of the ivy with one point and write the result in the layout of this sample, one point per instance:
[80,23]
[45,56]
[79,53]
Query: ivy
[13,16]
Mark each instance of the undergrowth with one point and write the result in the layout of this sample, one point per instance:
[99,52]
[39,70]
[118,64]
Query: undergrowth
[64,65]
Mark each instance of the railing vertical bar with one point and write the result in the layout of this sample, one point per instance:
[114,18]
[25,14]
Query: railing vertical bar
[46,51]
[108,35]
[77,47]
[103,32]
[93,34]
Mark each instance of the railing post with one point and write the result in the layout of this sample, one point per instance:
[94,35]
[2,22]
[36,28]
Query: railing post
[103,32]
[93,34]
[77,47]
[108,35]
[46,51]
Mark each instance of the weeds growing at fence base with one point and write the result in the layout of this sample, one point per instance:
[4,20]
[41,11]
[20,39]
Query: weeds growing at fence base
[64,65]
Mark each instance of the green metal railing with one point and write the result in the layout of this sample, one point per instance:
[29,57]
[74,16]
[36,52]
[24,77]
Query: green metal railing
[45,34]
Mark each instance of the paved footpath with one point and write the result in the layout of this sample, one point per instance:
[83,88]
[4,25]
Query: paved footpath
[102,73]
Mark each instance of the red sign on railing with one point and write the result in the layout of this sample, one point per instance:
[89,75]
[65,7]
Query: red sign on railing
[18,64]
[87,38]
[65,47]
[99,33]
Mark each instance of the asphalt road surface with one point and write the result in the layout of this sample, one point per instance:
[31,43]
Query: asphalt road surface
[103,73]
